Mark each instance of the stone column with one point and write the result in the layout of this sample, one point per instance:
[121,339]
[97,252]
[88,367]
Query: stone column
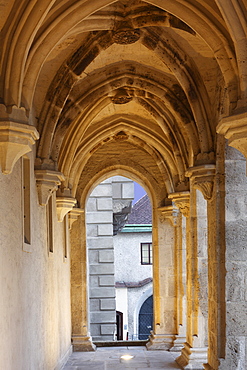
[81,339]
[234,343]
[164,328]
[216,263]
[180,266]
[182,201]
[194,352]
[228,253]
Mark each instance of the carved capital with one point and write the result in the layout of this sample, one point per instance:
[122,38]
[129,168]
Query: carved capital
[170,213]
[74,214]
[16,139]
[182,201]
[202,178]
[64,202]
[47,182]
[234,128]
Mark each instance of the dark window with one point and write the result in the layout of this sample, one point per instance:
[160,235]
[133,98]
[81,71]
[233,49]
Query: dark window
[146,254]
[26,200]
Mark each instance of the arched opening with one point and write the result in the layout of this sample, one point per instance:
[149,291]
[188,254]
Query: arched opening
[119,257]
[145,319]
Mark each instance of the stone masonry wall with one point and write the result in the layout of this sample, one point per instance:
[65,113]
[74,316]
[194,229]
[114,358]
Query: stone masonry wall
[236,261]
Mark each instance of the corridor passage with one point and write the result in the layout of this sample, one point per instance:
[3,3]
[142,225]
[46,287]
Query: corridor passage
[109,358]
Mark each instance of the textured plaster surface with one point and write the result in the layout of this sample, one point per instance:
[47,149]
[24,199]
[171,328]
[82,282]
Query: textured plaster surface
[35,293]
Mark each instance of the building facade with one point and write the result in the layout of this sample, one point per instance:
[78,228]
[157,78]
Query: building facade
[134,271]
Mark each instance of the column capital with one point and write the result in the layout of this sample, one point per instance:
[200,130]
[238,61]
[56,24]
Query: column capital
[202,178]
[182,201]
[64,202]
[74,214]
[47,182]
[170,213]
[16,137]
[234,128]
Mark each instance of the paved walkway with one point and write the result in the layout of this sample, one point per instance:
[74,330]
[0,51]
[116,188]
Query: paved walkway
[109,358]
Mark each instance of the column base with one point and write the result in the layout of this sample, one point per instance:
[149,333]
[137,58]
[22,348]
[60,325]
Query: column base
[82,344]
[160,342]
[178,343]
[208,367]
[193,357]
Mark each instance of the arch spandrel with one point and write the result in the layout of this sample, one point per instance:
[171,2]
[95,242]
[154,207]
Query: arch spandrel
[157,194]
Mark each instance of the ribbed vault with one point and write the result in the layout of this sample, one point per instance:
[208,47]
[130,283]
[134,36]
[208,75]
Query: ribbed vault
[124,83]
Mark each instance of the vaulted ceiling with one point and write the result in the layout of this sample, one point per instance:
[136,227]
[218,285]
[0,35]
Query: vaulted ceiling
[128,86]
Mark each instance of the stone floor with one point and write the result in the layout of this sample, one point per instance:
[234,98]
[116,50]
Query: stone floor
[109,358]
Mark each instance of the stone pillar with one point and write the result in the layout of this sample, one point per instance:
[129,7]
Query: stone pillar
[99,219]
[164,328]
[235,341]
[216,263]
[180,266]
[228,253]
[81,339]
[194,353]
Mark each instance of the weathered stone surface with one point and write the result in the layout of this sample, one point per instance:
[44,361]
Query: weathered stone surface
[102,292]
[98,243]
[92,204]
[104,204]
[104,269]
[105,230]
[102,191]
[107,329]
[99,217]
[106,281]
[107,304]
[106,256]
[236,316]
[103,317]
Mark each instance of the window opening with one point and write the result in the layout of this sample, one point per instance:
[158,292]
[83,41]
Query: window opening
[66,237]
[146,254]
[26,200]
[49,217]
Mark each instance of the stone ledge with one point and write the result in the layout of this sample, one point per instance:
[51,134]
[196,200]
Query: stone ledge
[16,139]
[139,284]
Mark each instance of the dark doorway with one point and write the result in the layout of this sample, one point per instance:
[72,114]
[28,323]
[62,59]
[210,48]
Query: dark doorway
[119,319]
[146,319]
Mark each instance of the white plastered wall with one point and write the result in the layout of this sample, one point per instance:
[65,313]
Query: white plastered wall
[35,321]
[122,306]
